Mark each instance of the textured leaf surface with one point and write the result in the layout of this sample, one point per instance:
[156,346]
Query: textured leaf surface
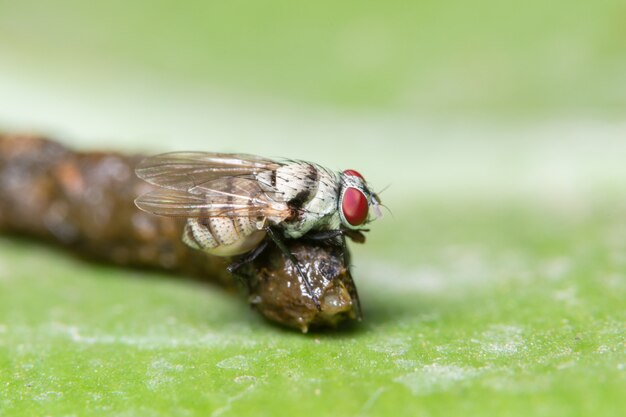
[495,312]
[498,286]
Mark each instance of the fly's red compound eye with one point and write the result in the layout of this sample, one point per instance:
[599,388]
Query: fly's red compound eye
[354,206]
[353,173]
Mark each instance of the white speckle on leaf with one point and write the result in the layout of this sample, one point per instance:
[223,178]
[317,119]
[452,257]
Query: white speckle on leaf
[436,378]
[47,396]
[242,379]
[603,349]
[278,353]
[563,352]
[238,362]
[502,340]
[162,372]
[391,347]
[405,363]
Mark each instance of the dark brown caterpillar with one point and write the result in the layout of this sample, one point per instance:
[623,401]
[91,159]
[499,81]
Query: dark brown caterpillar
[84,201]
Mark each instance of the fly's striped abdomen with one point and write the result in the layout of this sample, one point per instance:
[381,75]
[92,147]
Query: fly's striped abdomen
[223,236]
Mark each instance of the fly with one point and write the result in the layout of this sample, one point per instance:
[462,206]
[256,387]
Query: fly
[232,203]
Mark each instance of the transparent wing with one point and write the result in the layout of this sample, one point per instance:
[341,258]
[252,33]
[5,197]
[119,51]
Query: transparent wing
[222,197]
[193,171]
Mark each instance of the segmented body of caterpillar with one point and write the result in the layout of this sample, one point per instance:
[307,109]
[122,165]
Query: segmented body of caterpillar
[84,201]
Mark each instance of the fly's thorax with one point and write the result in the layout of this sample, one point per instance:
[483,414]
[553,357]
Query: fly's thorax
[315,205]
[291,182]
[223,236]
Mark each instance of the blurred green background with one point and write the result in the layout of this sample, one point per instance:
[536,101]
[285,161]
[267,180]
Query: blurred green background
[497,286]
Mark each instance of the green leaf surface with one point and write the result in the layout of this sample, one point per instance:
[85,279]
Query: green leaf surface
[499,312]
[496,288]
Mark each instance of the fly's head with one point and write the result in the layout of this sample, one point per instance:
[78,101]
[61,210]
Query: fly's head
[358,204]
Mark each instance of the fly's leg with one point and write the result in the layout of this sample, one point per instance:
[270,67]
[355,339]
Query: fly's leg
[242,260]
[329,236]
[356,236]
[285,250]
[352,288]
[248,257]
